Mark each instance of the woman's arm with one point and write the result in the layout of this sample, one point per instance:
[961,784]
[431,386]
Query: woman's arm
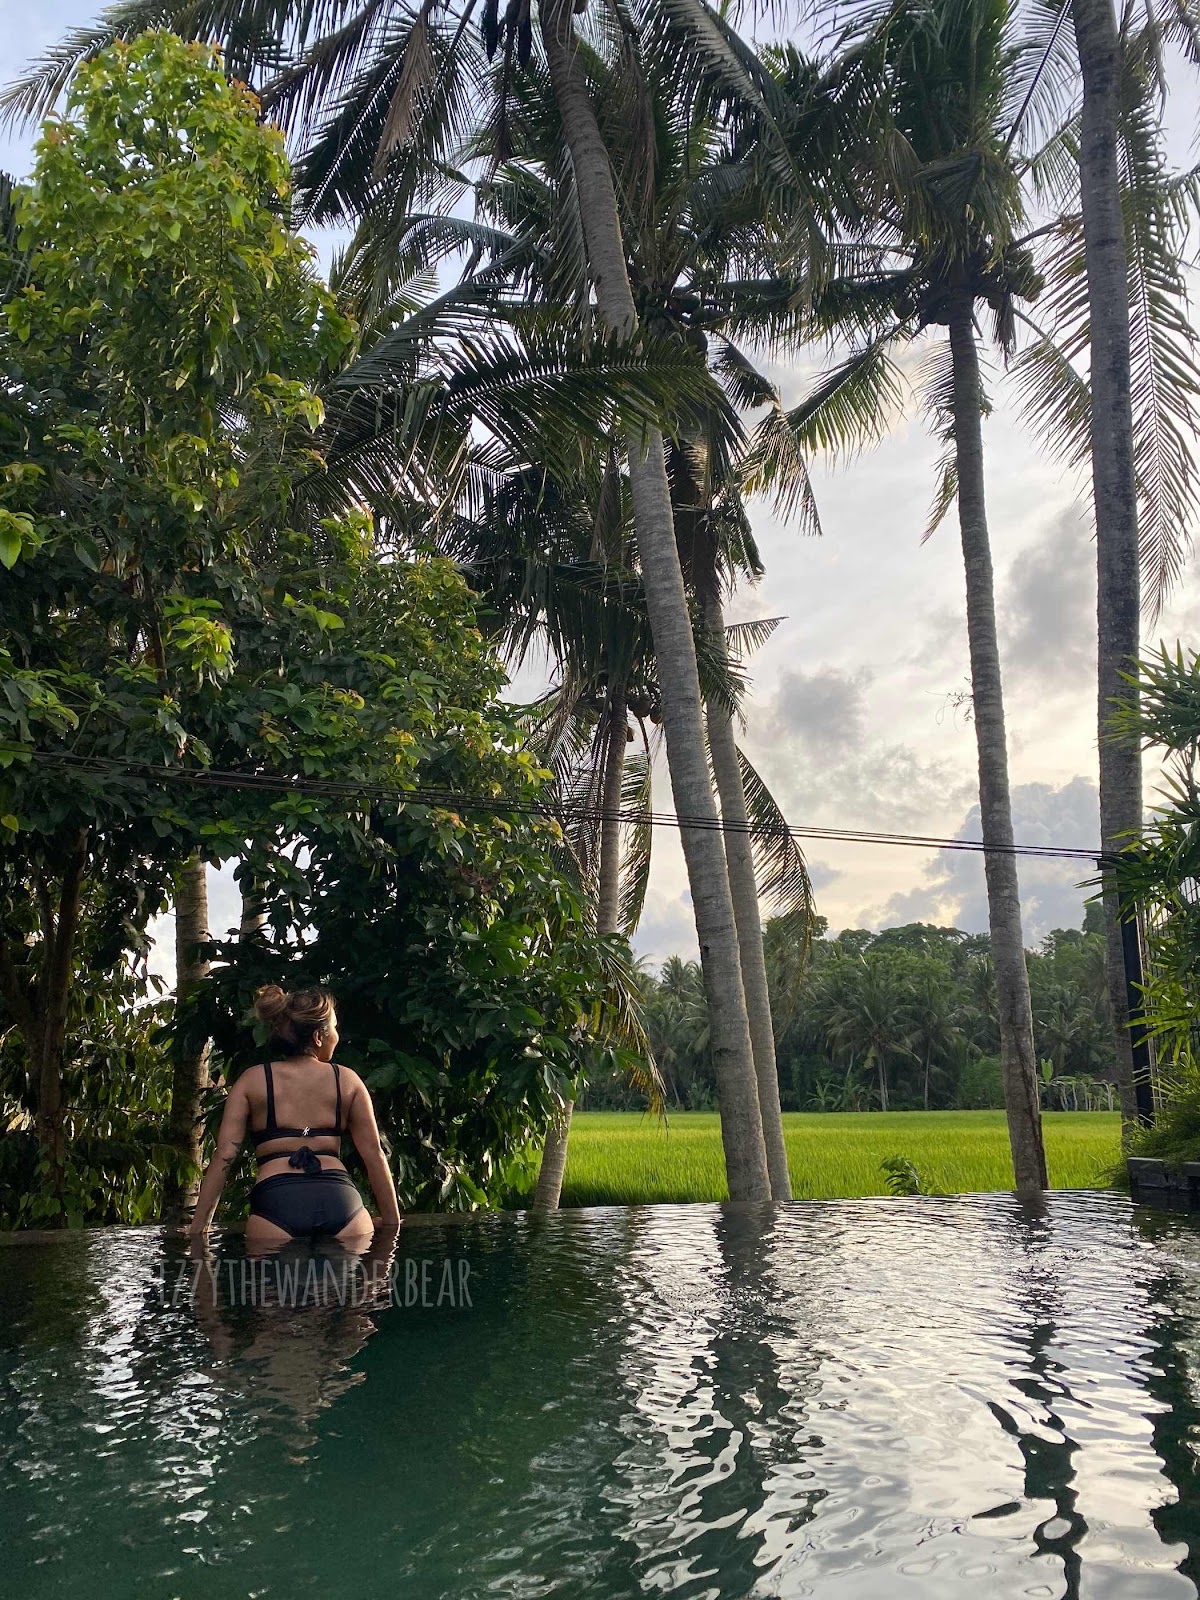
[364,1130]
[229,1142]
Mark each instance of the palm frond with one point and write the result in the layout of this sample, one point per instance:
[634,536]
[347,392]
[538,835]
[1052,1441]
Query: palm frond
[776,463]
[1163,345]
[637,844]
[743,639]
[620,1023]
[945,492]
[745,385]
[851,408]
[723,680]
[783,879]
[251,32]
[1055,399]
[413,82]
[1041,84]
[1165,358]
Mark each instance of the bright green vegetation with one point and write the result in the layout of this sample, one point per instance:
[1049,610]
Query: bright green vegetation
[620,1158]
[173,602]
[239,508]
[908,1010]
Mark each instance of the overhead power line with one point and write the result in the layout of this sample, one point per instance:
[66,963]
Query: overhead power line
[456,800]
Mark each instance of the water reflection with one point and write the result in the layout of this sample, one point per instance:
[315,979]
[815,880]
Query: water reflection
[283,1328]
[899,1399]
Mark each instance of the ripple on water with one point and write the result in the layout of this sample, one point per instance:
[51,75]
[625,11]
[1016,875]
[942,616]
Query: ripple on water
[860,1400]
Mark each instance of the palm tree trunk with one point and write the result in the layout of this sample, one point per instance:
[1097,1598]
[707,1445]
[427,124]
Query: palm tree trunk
[1018,1060]
[670,623]
[743,886]
[608,906]
[884,1103]
[1114,488]
[190,1077]
[926,1097]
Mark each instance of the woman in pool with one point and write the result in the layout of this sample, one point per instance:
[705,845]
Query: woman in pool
[297,1106]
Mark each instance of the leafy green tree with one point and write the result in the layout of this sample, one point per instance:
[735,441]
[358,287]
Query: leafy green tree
[158,293]
[475,993]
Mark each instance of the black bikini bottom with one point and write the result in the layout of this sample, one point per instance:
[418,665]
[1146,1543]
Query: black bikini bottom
[307,1204]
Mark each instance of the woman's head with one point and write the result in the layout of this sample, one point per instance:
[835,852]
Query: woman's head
[302,1023]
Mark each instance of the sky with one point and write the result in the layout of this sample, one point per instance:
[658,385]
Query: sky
[854,716]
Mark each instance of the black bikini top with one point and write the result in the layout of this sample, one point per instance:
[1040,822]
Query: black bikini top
[273,1131]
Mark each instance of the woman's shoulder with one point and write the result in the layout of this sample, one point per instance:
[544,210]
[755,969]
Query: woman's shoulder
[248,1080]
[350,1078]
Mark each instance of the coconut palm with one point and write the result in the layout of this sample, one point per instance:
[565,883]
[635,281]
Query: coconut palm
[1113,472]
[521,551]
[1116,296]
[865,1015]
[947,244]
[552,563]
[933,1021]
[701,264]
[683,722]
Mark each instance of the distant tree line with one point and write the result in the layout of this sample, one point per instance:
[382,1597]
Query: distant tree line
[900,1020]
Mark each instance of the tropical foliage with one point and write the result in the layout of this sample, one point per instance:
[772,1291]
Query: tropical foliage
[193,659]
[1160,876]
[899,1020]
[581,237]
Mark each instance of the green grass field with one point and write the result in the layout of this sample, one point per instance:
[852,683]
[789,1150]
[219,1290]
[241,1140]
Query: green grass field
[623,1158]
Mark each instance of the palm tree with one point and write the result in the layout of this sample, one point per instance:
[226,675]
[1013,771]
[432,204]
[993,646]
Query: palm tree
[1114,479]
[865,1015]
[947,242]
[573,590]
[933,1023]
[1119,296]
[700,261]
[675,652]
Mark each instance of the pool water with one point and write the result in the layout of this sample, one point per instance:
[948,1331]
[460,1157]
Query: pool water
[856,1400]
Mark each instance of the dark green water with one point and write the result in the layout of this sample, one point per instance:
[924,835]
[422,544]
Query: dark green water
[860,1400]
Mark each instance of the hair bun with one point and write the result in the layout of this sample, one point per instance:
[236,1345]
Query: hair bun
[270,1003]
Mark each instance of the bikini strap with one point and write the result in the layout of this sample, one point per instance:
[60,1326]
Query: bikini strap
[271,1123]
[337,1081]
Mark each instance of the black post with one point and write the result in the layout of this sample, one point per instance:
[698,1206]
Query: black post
[1143,1065]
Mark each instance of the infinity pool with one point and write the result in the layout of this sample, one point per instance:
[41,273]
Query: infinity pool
[857,1400]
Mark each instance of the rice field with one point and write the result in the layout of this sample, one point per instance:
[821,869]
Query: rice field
[625,1158]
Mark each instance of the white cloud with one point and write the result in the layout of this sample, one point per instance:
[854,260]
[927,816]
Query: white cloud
[954,893]
[1048,610]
